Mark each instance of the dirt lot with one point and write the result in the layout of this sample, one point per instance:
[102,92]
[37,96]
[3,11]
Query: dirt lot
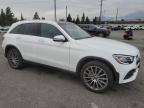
[39,87]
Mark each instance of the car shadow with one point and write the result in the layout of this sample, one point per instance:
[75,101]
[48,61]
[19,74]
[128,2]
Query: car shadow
[74,79]
[46,70]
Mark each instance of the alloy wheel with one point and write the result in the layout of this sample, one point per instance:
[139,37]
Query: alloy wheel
[13,58]
[95,78]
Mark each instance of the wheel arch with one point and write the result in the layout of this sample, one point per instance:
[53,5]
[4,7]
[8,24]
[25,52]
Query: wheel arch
[85,60]
[9,47]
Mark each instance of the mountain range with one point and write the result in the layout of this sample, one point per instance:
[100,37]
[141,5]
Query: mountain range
[135,15]
[131,16]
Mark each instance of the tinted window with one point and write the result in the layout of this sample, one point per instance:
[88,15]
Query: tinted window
[74,31]
[27,29]
[85,27]
[18,30]
[92,27]
[32,29]
[49,31]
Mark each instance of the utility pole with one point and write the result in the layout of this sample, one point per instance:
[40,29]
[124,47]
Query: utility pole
[101,9]
[66,13]
[55,14]
[117,12]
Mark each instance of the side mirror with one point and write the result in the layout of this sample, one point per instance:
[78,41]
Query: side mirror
[59,38]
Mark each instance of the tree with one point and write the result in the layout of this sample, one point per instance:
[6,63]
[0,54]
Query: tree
[87,20]
[2,18]
[62,19]
[69,18]
[95,20]
[83,18]
[22,18]
[77,20]
[73,20]
[36,16]
[9,16]
[122,20]
[43,18]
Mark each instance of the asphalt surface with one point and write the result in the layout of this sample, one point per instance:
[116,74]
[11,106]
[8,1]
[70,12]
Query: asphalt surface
[39,87]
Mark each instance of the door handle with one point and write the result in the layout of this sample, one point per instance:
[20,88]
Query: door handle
[42,41]
[18,38]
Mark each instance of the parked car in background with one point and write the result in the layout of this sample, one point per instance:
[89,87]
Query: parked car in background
[4,29]
[141,27]
[133,27]
[1,29]
[136,27]
[106,26]
[95,30]
[117,27]
[99,62]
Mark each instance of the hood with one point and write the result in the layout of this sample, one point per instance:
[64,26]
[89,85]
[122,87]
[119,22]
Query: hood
[109,45]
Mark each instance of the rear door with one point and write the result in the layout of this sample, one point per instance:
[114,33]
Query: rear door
[93,30]
[27,36]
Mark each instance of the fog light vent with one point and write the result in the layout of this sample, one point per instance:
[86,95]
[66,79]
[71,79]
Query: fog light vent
[130,74]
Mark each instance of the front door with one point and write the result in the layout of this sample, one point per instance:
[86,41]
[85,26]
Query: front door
[52,53]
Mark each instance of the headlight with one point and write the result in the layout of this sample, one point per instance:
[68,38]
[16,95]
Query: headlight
[124,59]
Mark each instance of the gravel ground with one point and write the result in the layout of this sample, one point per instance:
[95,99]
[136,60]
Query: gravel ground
[39,87]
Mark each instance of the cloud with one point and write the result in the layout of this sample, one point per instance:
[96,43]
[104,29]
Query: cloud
[75,7]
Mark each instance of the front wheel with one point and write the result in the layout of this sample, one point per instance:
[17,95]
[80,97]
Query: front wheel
[15,59]
[101,35]
[97,76]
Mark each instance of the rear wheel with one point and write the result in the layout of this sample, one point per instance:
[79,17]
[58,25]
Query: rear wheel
[106,36]
[15,59]
[97,76]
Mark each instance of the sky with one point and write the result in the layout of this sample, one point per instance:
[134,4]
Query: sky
[45,8]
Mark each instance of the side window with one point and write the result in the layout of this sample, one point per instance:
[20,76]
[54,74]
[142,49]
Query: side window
[49,31]
[91,27]
[27,29]
[32,29]
[82,27]
[18,30]
[86,27]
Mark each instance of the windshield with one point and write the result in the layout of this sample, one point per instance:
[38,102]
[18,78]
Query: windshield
[74,31]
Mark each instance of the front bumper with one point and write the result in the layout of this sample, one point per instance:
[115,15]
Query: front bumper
[129,73]
[130,76]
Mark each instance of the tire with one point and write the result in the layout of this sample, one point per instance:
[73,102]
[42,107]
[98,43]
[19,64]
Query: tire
[15,59]
[125,37]
[101,35]
[97,76]
[106,36]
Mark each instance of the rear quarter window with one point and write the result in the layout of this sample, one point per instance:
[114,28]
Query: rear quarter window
[27,29]
[18,29]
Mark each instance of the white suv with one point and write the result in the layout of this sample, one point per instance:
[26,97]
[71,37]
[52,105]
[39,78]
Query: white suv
[99,62]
